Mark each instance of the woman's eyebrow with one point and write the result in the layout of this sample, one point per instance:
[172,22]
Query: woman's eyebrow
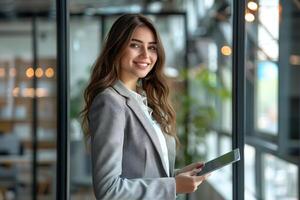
[139,41]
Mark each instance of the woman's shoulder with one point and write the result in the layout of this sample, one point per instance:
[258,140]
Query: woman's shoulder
[109,96]
[107,104]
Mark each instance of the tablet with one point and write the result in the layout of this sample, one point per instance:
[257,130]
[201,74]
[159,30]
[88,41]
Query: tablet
[219,162]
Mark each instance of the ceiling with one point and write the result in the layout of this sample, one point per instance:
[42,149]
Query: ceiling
[11,7]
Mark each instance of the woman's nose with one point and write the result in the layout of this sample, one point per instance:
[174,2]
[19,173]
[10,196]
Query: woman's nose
[145,53]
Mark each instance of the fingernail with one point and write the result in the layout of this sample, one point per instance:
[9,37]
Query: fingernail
[200,166]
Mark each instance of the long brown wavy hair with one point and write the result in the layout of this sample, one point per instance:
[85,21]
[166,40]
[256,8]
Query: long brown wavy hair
[105,73]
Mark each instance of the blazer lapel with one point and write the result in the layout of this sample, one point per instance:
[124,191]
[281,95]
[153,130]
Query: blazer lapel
[133,104]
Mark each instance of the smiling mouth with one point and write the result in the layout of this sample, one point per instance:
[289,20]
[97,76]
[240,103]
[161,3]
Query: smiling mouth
[142,65]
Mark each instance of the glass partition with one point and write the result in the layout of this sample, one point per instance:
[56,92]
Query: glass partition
[210,90]
[280,179]
[272,51]
[15,108]
[17,94]
[85,43]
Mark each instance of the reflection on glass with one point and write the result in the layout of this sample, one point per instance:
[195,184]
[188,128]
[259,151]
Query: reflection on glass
[249,153]
[210,57]
[267,93]
[211,143]
[85,44]
[46,93]
[267,68]
[280,179]
[273,93]
[222,179]
[225,146]
[15,109]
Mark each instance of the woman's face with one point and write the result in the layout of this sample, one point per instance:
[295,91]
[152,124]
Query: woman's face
[139,56]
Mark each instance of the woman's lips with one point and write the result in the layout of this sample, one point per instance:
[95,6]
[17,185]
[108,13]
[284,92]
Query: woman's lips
[142,65]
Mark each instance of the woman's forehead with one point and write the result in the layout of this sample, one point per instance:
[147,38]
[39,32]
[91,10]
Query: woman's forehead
[143,32]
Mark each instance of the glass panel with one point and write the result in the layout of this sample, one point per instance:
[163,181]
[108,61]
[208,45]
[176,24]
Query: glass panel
[280,179]
[222,178]
[250,192]
[211,145]
[210,83]
[46,93]
[272,56]
[173,37]
[15,109]
[267,82]
[16,105]
[266,42]
[84,49]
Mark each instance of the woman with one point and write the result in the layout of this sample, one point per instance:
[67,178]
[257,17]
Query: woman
[130,120]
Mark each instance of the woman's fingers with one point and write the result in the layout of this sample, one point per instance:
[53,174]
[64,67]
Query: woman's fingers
[196,171]
[197,165]
[192,172]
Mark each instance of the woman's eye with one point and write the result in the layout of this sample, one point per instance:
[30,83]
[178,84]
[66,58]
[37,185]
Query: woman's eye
[134,45]
[152,48]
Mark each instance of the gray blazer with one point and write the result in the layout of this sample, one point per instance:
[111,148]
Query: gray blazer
[127,158]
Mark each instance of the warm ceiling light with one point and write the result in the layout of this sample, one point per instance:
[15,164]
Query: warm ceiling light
[29,72]
[295,59]
[249,17]
[49,72]
[252,5]
[2,72]
[226,50]
[39,72]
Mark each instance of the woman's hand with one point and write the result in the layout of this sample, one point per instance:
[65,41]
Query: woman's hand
[187,180]
[197,165]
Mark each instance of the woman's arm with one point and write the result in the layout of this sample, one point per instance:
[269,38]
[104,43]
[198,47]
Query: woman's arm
[107,124]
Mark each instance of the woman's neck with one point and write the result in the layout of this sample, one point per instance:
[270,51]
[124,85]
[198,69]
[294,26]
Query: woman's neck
[131,84]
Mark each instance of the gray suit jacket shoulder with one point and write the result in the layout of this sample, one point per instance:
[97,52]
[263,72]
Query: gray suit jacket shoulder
[127,159]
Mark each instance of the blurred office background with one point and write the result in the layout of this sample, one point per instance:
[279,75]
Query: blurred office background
[197,35]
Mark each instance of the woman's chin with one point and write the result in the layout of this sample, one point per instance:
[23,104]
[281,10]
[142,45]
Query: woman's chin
[143,75]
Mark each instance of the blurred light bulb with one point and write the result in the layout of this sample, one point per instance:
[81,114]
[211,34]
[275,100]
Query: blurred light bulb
[49,72]
[39,72]
[252,5]
[29,72]
[249,17]
[226,50]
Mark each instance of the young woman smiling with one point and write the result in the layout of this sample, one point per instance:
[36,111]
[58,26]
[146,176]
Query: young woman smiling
[130,120]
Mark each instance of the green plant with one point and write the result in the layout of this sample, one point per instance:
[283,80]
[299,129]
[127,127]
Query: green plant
[197,112]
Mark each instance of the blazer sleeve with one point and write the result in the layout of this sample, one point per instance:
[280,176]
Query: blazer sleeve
[107,125]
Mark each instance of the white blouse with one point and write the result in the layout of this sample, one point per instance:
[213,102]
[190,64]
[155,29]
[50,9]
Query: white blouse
[142,101]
